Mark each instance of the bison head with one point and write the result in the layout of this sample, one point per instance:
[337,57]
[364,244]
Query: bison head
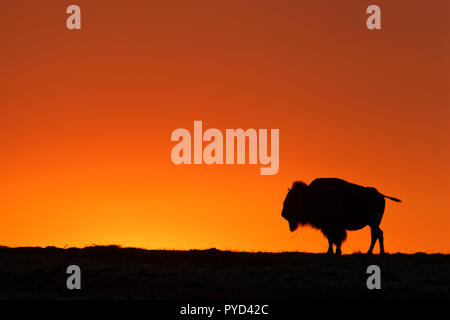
[294,205]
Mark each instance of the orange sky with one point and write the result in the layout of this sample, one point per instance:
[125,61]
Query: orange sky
[86,118]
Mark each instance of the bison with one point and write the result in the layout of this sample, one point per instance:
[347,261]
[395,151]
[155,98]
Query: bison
[333,206]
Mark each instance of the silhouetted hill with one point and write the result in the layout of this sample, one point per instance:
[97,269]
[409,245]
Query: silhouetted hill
[111,272]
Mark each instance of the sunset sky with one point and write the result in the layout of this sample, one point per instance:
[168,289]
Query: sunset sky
[86,118]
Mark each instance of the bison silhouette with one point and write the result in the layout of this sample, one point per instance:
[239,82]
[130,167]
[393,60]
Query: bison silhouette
[333,206]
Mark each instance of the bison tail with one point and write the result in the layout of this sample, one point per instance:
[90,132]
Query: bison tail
[392,198]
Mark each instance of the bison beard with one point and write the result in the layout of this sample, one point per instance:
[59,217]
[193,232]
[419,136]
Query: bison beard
[333,206]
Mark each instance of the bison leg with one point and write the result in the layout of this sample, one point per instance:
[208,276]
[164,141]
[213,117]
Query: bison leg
[338,248]
[380,240]
[330,247]
[373,235]
[336,236]
[340,236]
[376,234]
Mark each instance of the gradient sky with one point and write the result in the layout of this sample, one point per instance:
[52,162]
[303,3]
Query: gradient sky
[86,118]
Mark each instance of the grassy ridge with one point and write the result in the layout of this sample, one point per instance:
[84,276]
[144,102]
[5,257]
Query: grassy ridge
[111,272]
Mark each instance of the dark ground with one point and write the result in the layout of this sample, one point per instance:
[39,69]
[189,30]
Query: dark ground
[126,273]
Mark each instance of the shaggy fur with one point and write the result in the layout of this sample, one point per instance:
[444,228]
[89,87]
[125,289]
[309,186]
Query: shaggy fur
[333,206]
